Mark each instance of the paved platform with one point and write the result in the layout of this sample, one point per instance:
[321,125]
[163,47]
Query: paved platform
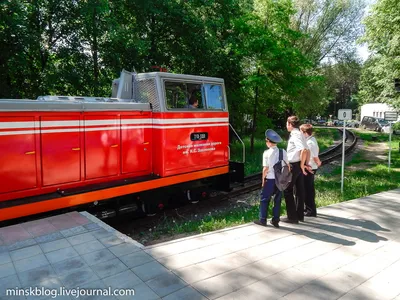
[351,251]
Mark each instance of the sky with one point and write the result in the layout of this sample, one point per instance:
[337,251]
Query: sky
[363,49]
[363,52]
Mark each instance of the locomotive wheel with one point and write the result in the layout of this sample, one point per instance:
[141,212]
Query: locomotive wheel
[148,210]
[192,196]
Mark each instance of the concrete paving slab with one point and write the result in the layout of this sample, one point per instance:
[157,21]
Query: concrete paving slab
[111,241]
[80,238]
[136,259]
[4,258]
[7,283]
[7,270]
[98,284]
[54,245]
[123,249]
[78,277]
[187,293]
[92,226]
[213,287]
[39,227]
[61,254]
[142,291]
[25,252]
[166,284]
[149,270]
[192,273]
[49,237]
[20,244]
[98,256]
[88,247]
[37,277]
[30,263]
[69,265]
[126,279]
[73,231]
[109,268]
[14,233]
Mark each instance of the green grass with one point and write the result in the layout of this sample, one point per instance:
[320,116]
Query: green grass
[369,180]
[325,137]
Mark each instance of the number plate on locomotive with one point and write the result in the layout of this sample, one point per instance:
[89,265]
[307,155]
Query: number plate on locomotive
[199,136]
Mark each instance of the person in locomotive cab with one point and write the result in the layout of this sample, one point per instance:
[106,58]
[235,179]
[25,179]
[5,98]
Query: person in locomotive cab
[269,188]
[193,102]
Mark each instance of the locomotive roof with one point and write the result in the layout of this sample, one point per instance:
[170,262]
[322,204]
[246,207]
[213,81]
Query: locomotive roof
[179,77]
[82,103]
[51,103]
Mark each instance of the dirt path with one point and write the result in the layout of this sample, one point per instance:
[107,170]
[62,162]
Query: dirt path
[375,153]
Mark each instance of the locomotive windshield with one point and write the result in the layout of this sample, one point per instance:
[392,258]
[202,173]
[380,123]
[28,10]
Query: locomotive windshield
[189,95]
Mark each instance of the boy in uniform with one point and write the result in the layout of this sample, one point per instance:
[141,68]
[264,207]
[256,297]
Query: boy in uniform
[270,158]
[314,163]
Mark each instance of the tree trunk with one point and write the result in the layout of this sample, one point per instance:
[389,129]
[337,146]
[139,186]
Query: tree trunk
[95,54]
[253,131]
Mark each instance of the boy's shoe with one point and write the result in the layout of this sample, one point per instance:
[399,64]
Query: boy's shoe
[258,222]
[275,223]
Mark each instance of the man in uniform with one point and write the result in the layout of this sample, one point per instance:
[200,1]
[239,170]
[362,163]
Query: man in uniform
[270,158]
[297,154]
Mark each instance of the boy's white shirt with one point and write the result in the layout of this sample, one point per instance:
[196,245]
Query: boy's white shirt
[270,158]
[314,151]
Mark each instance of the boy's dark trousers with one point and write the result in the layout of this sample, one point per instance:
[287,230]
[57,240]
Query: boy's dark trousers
[268,190]
[310,193]
[295,209]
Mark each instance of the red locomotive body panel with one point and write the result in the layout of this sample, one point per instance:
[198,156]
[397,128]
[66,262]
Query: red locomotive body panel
[42,152]
[60,149]
[18,153]
[102,146]
[136,142]
[176,149]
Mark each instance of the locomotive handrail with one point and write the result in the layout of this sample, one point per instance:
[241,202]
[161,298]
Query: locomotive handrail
[244,148]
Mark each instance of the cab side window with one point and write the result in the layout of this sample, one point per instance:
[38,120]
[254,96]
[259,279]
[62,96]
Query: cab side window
[175,93]
[193,95]
[180,95]
[214,96]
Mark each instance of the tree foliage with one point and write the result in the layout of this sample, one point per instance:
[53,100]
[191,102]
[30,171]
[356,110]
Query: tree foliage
[268,52]
[383,37]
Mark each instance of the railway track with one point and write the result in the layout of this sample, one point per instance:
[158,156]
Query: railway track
[252,183]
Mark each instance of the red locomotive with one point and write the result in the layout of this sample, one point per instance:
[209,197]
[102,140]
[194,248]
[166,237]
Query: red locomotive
[159,132]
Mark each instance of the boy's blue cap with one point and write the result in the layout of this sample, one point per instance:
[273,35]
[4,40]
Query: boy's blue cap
[272,136]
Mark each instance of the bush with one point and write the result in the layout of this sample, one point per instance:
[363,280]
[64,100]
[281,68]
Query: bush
[396,126]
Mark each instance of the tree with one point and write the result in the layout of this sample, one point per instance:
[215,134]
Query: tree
[331,28]
[383,37]
[274,68]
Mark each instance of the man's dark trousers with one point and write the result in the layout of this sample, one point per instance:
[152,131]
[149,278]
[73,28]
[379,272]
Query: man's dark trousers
[310,193]
[295,211]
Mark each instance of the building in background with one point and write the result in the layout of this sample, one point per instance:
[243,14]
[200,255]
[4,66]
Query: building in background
[376,110]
